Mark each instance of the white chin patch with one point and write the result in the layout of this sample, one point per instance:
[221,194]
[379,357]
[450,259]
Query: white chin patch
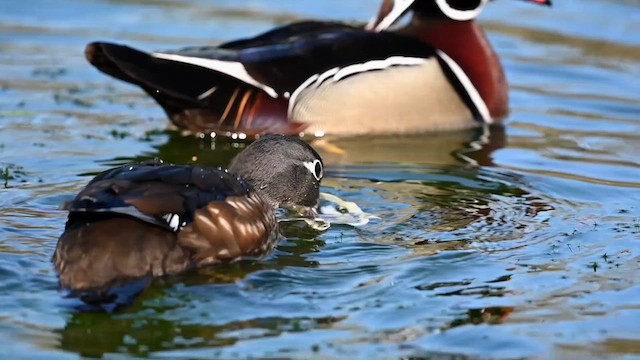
[460,15]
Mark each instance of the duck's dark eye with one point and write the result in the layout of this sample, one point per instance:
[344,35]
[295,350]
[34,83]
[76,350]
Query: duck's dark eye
[318,170]
[464,4]
[315,168]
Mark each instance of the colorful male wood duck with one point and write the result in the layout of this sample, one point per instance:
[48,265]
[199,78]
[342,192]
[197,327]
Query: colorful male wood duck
[439,72]
[140,221]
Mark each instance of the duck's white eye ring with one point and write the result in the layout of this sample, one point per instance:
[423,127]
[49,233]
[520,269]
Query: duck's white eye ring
[461,14]
[315,168]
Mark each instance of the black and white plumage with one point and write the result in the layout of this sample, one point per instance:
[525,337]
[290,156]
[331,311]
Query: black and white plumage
[252,85]
[437,73]
[145,220]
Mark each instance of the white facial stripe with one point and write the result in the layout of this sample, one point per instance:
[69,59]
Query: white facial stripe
[311,166]
[399,8]
[377,65]
[231,68]
[460,15]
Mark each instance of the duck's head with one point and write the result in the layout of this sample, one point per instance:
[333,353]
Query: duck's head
[285,171]
[457,10]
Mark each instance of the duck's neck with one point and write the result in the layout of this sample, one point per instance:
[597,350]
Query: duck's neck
[467,44]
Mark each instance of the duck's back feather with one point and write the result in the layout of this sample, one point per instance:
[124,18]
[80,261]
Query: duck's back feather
[154,192]
[285,33]
[283,63]
[150,220]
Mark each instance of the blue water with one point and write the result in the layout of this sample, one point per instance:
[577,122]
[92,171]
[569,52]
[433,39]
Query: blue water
[519,242]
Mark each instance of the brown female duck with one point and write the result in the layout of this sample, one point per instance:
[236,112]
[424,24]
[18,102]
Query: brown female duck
[146,220]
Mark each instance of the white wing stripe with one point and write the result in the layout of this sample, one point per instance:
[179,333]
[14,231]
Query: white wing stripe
[337,74]
[377,65]
[325,75]
[294,96]
[207,93]
[231,68]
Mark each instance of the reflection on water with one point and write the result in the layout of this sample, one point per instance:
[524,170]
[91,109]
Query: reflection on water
[472,147]
[503,242]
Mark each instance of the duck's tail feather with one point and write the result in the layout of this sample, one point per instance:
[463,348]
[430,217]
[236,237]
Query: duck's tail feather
[101,261]
[195,97]
[158,76]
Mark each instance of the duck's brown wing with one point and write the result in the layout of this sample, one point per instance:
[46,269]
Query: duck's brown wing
[103,255]
[151,220]
[222,231]
[162,195]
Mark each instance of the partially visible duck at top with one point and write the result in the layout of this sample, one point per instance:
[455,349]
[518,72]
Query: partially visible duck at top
[140,221]
[437,73]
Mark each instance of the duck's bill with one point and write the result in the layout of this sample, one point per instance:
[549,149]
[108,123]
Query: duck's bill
[539,2]
[286,213]
[332,211]
[390,12]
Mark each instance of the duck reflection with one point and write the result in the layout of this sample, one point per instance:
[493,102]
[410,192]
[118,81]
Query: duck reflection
[489,315]
[142,333]
[472,146]
[138,329]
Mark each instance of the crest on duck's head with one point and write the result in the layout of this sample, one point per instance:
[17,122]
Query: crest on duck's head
[460,10]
